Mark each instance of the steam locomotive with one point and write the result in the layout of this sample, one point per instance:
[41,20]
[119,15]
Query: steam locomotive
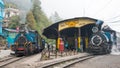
[101,41]
[27,43]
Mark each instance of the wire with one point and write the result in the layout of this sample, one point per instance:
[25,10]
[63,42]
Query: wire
[113,18]
[114,21]
[84,12]
[103,7]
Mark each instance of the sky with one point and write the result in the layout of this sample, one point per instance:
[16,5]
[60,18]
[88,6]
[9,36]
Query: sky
[106,10]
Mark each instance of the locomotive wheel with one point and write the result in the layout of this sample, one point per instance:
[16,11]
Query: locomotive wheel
[16,54]
[26,51]
[108,50]
[90,50]
[31,49]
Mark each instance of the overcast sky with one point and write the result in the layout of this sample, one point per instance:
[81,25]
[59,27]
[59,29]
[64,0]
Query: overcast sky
[106,10]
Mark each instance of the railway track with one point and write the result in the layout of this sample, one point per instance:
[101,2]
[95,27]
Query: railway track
[12,59]
[66,63]
[9,60]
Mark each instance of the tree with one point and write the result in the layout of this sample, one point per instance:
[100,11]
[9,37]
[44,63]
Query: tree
[41,19]
[14,22]
[30,20]
[55,17]
[10,5]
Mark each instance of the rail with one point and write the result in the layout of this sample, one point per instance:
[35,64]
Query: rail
[72,60]
[9,61]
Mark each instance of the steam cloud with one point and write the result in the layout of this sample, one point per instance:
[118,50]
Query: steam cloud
[116,48]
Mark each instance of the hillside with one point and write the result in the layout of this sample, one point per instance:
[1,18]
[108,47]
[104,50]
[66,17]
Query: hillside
[31,13]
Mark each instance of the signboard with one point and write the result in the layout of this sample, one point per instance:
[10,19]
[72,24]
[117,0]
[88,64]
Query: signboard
[75,23]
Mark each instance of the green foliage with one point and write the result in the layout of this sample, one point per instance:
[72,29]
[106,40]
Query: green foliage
[39,16]
[55,17]
[30,20]
[14,21]
[7,5]
[35,18]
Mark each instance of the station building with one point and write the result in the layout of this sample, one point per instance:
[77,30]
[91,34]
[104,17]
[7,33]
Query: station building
[1,14]
[72,34]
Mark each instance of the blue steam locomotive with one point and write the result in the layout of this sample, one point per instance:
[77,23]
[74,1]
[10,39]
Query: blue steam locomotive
[101,41]
[27,43]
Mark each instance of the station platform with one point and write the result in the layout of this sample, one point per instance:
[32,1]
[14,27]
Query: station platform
[35,62]
[39,63]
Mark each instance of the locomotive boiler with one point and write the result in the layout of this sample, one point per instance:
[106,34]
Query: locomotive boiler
[101,41]
[27,43]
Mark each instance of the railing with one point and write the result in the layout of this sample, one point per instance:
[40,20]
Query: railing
[52,53]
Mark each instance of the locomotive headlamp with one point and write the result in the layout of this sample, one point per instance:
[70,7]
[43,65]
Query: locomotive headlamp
[95,29]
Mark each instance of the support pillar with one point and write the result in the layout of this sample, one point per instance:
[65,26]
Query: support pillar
[79,40]
[86,39]
[57,42]
[80,47]
[86,42]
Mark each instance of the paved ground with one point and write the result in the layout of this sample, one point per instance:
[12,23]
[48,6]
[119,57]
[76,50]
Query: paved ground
[4,53]
[34,61]
[26,62]
[103,61]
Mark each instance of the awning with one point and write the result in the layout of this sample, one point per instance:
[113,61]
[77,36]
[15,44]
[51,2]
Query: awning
[70,26]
